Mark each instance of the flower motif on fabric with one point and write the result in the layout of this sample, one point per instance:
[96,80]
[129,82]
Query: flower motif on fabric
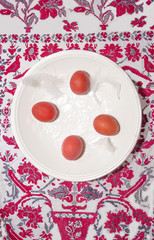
[70,26]
[26,233]
[116,219]
[73,46]
[150,50]
[33,215]
[125,237]
[138,22]
[8,157]
[117,177]
[50,8]
[132,52]
[31,52]
[127,6]
[90,47]
[10,141]
[98,11]
[22,10]
[140,215]
[32,173]
[102,237]
[112,51]
[46,236]
[50,49]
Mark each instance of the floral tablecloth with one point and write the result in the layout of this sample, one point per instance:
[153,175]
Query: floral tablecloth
[34,205]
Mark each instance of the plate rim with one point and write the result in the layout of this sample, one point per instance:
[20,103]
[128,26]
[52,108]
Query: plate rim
[23,147]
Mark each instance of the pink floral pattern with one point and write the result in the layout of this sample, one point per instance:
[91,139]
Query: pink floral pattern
[36,206]
[31,52]
[32,196]
[50,49]
[128,6]
[133,52]
[117,178]
[30,13]
[112,51]
[50,8]
[33,215]
[115,220]
[31,171]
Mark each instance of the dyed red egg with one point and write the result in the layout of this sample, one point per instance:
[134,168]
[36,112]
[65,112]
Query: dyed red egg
[80,82]
[106,125]
[72,147]
[45,111]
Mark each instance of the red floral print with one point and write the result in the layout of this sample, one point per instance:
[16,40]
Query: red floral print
[139,22]
[127,6]
[31,52]
[115,219]
[28,168]
[140,215]
[8,209]
[138,36]
[25,39]
[47,39]
[116,178]
[26,233]
[46,236]
[118,237]
[140,236]
[14,10]
[70,26]
[12,49]
[49,49]
[15,36]
[151,50]
[115,37]
[100,238]
[32,214]
[90,47]
[10,141]
[73,46]
[69,38]
[59,37]
[4,39]
[132,52]
[49,8]
[150,34]
[127,173]
[127,35]
[81,36]
[92,38]
[112,51]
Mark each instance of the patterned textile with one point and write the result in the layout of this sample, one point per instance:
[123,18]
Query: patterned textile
[36,206]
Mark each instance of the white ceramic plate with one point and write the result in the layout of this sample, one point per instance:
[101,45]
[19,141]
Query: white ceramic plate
[112,92]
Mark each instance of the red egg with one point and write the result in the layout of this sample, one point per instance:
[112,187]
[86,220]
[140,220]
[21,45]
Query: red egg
[106,125]
[45,111]
[72,147]
[80,82]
